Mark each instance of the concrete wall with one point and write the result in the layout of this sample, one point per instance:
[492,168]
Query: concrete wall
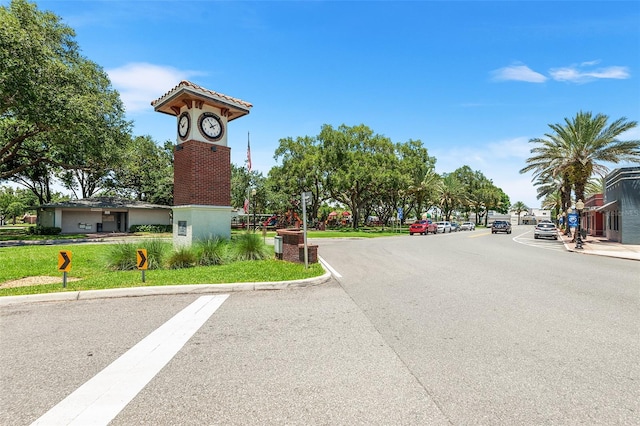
[79,221]
[191,223]
[149,217]
[73,221]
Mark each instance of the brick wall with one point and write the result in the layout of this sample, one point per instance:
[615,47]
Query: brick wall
[293,246]
[201,176]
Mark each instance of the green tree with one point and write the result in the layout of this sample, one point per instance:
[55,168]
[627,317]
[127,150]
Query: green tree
[356,160]
[519,207]
[481,194]
[420,182]
[594,186]
[240,185]
[16,209]
[301,170]
[54,103]
[145,172]
[451,195]
[36,179]
[577,149]
[9,195]
[593,142]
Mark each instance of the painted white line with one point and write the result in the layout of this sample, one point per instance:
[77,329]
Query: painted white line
[326,265]
[100,399]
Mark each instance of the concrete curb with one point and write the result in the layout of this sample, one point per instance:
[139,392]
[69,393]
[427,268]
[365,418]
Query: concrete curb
[162,290]
[569,246]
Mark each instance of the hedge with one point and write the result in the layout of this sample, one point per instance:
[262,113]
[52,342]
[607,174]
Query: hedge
[151,228]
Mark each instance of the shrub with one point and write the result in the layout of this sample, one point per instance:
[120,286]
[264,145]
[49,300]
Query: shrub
[44,230]
[184,257]
[151,228]
[122,256]
[156,251]
[249,246]
[211,251]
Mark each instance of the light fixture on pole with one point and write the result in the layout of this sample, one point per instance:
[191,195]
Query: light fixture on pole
[579,208]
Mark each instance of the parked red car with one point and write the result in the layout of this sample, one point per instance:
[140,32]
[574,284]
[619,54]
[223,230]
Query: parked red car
[423,227]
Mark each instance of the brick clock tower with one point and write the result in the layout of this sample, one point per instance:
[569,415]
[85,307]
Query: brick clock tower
[202,160]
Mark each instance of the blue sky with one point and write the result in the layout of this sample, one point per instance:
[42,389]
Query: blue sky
[473,80]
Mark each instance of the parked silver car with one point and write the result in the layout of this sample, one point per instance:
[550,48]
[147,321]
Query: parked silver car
[545,230]
[468,226]
[443,227]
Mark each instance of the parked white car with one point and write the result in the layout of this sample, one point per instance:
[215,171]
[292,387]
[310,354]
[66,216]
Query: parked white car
[444,227]
[468,226]
[545,230]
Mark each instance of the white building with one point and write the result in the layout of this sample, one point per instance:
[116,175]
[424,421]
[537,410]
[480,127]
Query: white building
[102,214]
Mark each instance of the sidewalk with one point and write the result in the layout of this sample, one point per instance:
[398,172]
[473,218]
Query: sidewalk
[600,246]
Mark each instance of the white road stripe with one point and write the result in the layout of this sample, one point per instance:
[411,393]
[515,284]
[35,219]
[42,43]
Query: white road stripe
[100,399]
[326,265]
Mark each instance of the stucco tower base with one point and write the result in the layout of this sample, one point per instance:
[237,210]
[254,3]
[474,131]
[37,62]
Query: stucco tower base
[193,222]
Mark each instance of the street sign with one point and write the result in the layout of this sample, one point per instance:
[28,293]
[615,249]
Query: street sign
[573,220]
[64,261]
[142,262]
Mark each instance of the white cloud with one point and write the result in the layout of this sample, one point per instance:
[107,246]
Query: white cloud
[511,148]
[590,63]
[630,135]
[499,161]
[518,73]
[141,83]
[582,74]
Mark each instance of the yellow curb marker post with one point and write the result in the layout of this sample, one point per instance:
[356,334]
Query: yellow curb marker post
[142,262]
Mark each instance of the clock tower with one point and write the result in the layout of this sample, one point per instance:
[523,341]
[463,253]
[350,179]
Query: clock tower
[202,160]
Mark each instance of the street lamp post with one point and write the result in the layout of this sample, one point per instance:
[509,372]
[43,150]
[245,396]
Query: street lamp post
[579,208]
[568,233]
[253,194]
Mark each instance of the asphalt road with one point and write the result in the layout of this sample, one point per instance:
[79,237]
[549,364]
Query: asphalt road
[462,328]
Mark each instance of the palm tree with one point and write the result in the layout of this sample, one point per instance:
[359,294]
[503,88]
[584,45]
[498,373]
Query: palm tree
[451,195]
[519,207]
[594,186]
[550,167]
[592,142]
[577,149]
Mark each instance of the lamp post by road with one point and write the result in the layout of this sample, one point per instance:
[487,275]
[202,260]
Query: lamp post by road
[253,194]
[579,208]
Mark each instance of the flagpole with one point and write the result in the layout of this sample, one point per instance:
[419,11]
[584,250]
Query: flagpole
[249,186]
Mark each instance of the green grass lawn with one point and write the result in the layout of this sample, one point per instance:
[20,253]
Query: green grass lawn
[89,264]
[20,233]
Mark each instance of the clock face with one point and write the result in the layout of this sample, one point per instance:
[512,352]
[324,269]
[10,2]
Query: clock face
[210,126]
[183,125]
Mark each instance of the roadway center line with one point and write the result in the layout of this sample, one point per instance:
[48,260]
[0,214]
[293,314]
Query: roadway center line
[99,400]
[479,234]
[326,265]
